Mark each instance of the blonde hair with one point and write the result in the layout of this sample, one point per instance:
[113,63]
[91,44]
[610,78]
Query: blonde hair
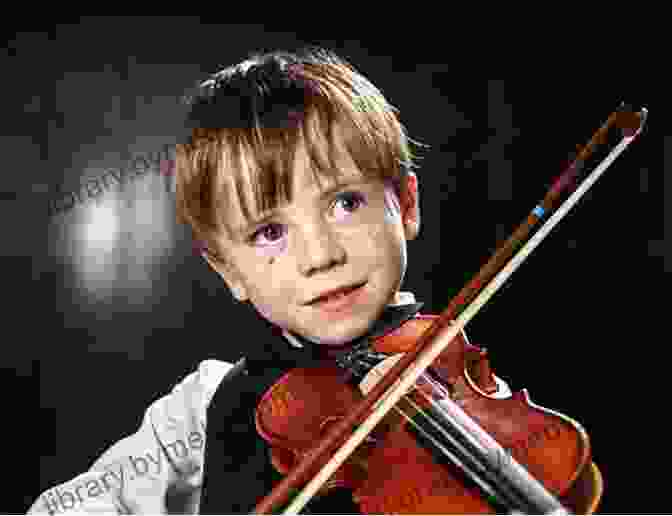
[248,120]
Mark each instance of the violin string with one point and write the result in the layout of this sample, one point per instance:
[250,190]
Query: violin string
[487,489]
[504,496]
[476,477]
[443,392]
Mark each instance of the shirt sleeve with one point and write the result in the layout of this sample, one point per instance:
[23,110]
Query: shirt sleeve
[156,470]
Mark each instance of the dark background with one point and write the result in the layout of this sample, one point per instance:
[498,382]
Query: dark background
[102,320]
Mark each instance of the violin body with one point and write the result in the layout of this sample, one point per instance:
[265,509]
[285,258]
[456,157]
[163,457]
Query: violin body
[391,473]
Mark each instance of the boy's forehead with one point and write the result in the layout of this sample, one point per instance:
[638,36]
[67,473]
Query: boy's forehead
[305,182]
[304,176]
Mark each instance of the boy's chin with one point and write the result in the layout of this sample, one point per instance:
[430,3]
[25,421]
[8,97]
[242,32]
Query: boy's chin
[337,340]
[342,334]
[333,342]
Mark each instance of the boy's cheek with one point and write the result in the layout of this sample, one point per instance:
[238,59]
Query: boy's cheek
[373,236]
[266,312]
[271,251]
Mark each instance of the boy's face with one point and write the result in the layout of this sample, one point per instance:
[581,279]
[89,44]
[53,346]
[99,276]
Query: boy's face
[319,242]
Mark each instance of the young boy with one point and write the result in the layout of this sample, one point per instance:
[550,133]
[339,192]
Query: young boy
[303,144]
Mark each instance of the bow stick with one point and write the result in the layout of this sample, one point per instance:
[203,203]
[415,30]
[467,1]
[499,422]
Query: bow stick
[439,335]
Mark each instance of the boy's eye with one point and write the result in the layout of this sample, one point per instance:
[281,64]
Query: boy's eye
[351,198]
[273,231]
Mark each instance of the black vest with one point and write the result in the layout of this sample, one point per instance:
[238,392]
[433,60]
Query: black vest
[237,468]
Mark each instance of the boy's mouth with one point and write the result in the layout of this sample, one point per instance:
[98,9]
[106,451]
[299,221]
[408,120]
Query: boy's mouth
[336,295]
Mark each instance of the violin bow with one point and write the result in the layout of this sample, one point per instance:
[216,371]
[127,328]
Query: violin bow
[461,309]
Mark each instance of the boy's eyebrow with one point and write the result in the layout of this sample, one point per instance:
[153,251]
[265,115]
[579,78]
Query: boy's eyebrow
[326,192]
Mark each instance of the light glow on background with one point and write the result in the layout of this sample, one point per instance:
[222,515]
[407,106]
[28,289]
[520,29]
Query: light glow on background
[114,242]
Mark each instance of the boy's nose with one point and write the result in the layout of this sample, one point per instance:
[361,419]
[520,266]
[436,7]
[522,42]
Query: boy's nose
[321,250]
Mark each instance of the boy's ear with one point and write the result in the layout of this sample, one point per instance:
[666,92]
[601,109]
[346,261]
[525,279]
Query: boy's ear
[410,207]
[230,275]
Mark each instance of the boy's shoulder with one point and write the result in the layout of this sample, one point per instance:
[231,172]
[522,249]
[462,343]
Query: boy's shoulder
[182,413]
[193,393]
[205,380]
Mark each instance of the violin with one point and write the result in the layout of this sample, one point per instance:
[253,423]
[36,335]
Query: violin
[405,438]
[416,429]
